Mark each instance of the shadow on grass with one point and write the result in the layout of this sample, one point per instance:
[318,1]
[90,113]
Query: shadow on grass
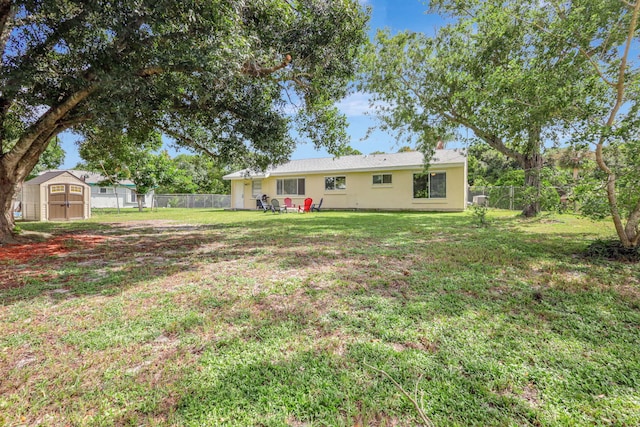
[504,327]
[137,252]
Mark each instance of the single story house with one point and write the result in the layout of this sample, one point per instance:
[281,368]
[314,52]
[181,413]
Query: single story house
[54,196]
[376,181]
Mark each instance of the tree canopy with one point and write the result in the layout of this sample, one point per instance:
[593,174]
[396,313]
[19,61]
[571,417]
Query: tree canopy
[480,72]
[198,173]
[521,74]
[230,78]
[128,159]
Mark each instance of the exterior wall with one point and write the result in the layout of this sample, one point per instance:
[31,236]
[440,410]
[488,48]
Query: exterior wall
[31,202]
[108,199]
[43,209]
[361,193]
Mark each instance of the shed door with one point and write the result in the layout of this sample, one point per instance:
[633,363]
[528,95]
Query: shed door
[66,201]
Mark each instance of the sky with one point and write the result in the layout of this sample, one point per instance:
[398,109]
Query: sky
[397,15]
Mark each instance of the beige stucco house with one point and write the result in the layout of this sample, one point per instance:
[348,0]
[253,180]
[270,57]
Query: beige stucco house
[376,181]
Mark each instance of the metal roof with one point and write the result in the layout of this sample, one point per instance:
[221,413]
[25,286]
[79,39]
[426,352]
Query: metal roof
[366,162]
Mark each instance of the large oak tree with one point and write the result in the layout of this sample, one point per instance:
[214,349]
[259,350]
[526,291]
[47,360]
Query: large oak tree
[227,77]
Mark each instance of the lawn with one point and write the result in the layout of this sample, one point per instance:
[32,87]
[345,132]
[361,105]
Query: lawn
[212,318]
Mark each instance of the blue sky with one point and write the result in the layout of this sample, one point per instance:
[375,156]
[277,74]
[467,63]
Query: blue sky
[397,15]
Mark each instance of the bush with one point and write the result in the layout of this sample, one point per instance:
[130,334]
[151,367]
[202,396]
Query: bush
[480,213]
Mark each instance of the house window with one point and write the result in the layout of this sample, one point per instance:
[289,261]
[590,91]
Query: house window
[382,179]
[256,188]
[335,183]
[135,197]
[431,185]
[290,187]
[102,190]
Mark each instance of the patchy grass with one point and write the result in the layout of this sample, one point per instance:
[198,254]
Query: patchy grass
[203,317]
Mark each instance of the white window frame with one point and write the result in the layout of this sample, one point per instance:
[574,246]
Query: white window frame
[281,190]
[334,180]
[430,185]
[103,190]
[382,183]
[134,197]
[256,188]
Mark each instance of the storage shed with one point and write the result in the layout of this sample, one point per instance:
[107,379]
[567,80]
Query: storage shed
[56,196]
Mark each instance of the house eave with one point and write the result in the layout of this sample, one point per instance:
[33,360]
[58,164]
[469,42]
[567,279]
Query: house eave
[231,177]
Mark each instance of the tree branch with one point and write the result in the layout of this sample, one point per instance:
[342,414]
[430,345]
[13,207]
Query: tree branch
[6,15]
[189,141]
[631,5]
[585,53]
[32,56]
[619,86]
[47,122]
[255,70]
[414,400]
[249,68]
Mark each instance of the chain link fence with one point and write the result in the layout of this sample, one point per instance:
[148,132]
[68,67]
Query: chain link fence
[516,198]
[216,201]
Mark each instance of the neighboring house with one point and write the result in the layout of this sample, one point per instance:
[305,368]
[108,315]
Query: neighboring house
[53,196]
[107,196]
[376,181]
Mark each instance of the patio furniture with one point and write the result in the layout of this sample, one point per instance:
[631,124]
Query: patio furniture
[275,206]
[262,205]
[288,203]
[307,204]
[317,208]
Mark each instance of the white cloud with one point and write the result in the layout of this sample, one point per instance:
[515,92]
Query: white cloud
[356,104]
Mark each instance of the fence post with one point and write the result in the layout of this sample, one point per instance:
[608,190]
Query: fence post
[511,195]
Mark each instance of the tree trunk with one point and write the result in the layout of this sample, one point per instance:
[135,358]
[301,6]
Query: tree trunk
[629,234]
[532,166]
[19,161]
[115,193]
[8,190]
[10,179]
[532,163]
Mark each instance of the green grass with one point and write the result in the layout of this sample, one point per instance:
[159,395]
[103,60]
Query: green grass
[205,317]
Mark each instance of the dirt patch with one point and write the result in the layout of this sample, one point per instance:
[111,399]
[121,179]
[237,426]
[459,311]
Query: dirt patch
[57,246]
[529,393]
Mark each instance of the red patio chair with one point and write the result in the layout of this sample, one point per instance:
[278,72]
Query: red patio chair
[307,204]
[287,203]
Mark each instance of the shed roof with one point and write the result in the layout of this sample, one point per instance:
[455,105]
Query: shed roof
[91,178]
[49,175]
[366,162]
